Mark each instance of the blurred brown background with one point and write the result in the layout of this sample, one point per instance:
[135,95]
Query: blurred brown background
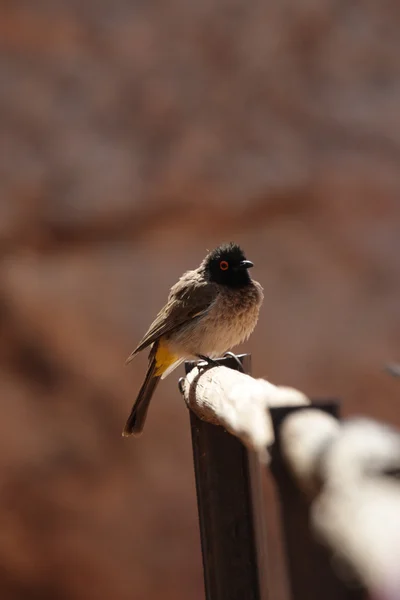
[134,136]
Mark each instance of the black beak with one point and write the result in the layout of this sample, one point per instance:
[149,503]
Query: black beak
[245,264]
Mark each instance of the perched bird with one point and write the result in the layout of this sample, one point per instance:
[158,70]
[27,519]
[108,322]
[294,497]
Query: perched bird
[209,310]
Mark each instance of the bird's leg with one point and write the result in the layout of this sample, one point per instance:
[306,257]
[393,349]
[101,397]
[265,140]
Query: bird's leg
[210,362]
[236,359]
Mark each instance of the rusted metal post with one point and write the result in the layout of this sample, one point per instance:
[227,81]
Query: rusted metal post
[309,567]
[227,487]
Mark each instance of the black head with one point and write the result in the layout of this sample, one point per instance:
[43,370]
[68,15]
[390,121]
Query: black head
[228,265]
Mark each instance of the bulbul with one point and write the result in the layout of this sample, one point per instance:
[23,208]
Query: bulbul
[209,310]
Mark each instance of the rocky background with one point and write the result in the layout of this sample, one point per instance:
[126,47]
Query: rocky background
[134,135]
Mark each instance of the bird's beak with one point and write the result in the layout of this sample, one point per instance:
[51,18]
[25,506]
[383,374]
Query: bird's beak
[245,264]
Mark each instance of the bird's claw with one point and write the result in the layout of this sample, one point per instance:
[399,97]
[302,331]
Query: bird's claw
[236,359]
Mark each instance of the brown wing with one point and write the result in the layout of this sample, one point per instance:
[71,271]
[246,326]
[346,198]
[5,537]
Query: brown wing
[189,298]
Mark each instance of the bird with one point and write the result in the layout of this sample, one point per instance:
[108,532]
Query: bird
[209,310]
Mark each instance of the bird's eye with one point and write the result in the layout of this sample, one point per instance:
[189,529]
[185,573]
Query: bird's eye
[223,265]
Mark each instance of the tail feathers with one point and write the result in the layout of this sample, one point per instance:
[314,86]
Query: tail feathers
[137,418]
[130,357]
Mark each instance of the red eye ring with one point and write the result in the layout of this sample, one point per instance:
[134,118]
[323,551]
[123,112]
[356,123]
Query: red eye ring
[224,265]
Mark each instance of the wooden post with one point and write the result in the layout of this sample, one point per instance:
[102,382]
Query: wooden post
[334,483]
[309,565]
[227,489]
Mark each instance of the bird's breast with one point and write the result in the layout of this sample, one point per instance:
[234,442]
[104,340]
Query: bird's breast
[230,321]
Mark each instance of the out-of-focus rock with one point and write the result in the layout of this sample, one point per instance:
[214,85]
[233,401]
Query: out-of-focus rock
[133,137]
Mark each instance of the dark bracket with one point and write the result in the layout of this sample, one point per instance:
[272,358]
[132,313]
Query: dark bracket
[225,505]
[311,573]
